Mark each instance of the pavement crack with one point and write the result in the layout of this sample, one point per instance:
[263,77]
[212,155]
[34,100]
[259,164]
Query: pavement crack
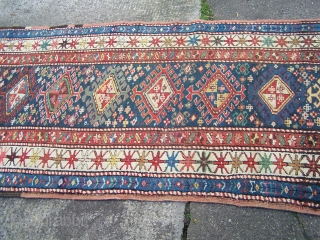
[187,219]
[304,233]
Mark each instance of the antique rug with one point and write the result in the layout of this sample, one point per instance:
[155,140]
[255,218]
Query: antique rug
[223,112]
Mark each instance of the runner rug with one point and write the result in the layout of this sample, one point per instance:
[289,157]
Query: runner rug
[223,112]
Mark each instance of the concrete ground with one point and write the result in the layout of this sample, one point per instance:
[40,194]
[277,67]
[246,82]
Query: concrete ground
[62,219]
[268,9]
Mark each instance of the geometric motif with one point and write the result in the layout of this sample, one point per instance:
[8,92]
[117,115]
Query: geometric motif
[58,94]
[105,94]
[314,94]
[276,94]
[17,94]
[217,93]
[159,93]
[272,97]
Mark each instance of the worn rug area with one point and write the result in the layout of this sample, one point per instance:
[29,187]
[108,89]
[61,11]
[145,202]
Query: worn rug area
[224,112]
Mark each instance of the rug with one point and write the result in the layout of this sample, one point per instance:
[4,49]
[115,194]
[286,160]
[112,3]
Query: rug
[224,112]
